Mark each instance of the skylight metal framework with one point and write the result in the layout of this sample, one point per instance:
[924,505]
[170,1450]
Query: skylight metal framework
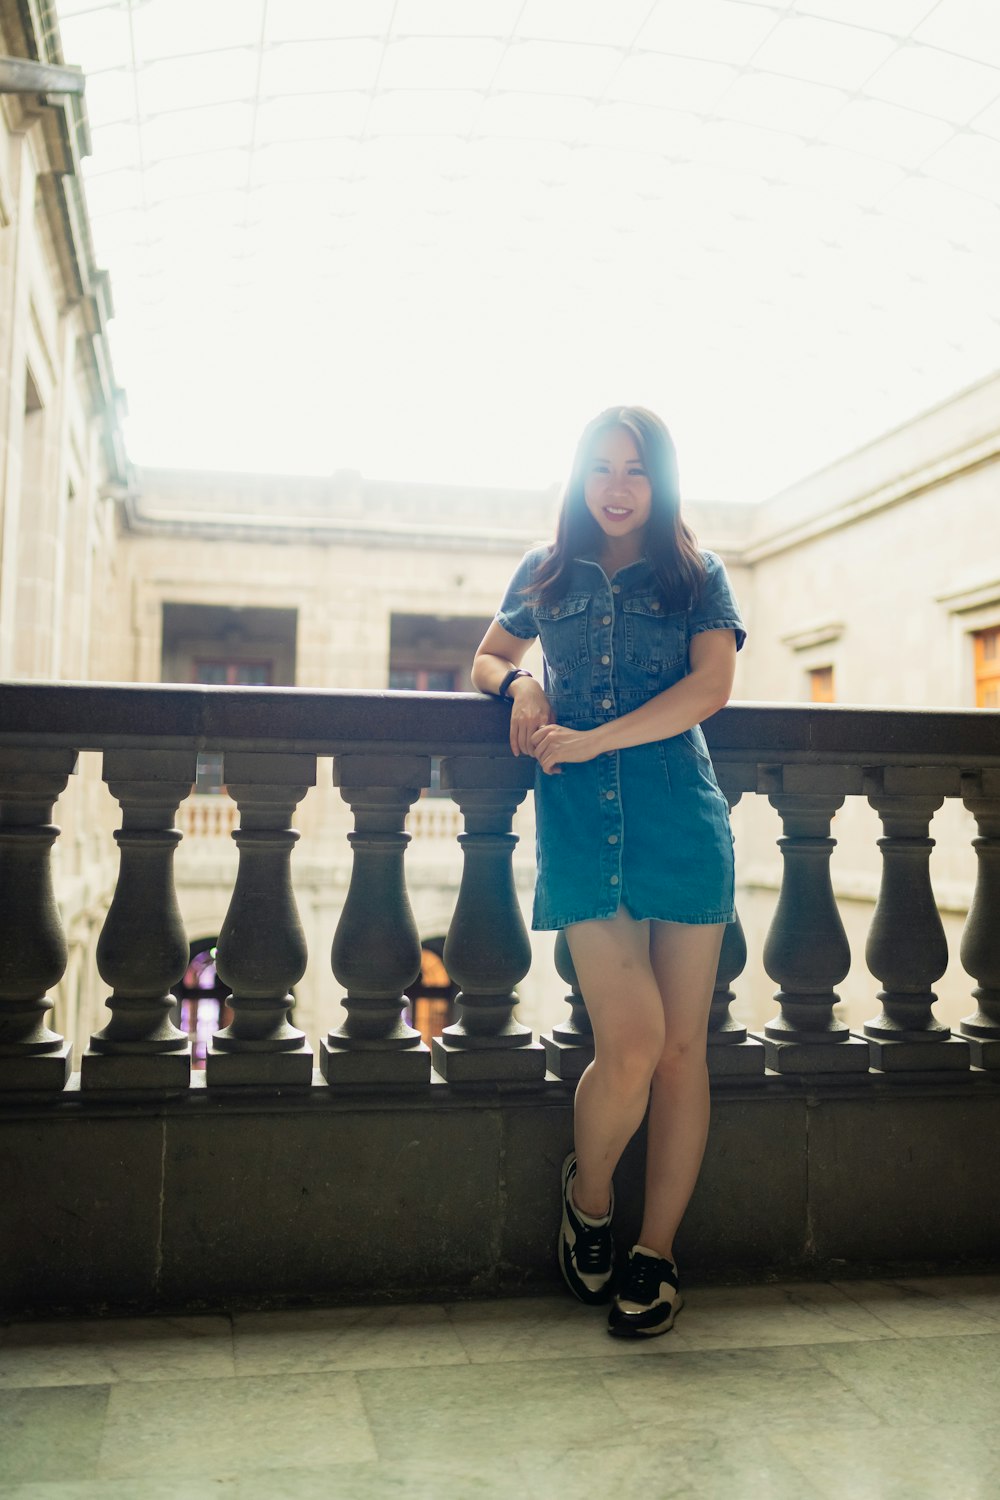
[777,222]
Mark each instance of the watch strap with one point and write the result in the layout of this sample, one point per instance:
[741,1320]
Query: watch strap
[511,675]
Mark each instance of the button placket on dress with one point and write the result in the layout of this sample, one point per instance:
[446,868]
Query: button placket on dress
[605,623]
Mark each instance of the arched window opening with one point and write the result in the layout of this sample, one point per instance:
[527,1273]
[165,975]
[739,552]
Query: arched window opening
[431,996]
[202,1000]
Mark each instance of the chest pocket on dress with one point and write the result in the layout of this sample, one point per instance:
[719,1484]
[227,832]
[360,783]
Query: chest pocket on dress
[563,630]
[654,639]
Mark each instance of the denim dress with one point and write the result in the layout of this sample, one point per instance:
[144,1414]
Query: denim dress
[646,827]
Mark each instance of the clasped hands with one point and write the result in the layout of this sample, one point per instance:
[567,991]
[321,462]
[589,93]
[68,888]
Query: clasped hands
[534,732]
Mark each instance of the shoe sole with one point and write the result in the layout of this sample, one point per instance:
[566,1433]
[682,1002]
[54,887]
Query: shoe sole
[627,1330]
[590,1299]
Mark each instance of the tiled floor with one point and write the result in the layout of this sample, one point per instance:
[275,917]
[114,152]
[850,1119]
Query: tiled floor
[845,1391]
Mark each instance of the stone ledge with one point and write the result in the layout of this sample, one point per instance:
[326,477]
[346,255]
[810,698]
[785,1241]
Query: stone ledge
[203,1200]
[437,1094]
[99,716]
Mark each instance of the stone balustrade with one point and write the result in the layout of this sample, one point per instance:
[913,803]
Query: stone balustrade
[211,816]
[804,761]
[434,819]
[394,1170]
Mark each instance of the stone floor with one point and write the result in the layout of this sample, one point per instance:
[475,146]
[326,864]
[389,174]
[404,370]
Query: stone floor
[885,1390]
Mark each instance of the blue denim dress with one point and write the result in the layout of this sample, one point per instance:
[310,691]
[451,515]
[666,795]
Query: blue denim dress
[646,827]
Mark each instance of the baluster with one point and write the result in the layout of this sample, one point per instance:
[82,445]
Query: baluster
[806,949]
[376,948]
[980,949]
[731,1052]
[32,943]
[487,949]
[907,950]
[569,1047]
[723,1030]
[143,949]
[262,948]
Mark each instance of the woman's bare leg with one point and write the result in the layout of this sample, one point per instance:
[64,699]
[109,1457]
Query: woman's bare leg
[684,961]
[613,966]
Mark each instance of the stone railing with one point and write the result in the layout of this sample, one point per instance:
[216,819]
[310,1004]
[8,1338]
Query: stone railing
[434,819]
[805,761]
[207,817]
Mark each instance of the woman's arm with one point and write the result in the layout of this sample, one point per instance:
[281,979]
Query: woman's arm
[697,696]
[499,651]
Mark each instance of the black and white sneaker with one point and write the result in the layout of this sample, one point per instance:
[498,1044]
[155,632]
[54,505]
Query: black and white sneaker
[648,1298]
[586,1249]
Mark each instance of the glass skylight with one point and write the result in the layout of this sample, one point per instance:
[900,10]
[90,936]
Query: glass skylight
[428,238]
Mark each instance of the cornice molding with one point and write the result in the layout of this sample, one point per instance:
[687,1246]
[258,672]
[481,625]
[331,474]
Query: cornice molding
[295,530]
[970,597]
[961,461]
[807,636]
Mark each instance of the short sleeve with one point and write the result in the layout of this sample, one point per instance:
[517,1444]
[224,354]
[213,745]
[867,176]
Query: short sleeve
[716,609]
[516,614]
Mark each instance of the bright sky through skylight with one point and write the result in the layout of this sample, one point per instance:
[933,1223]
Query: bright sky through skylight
[427,239]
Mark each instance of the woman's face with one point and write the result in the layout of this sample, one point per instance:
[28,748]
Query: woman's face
[616,487]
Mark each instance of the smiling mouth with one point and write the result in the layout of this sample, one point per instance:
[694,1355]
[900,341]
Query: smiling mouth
[617,512]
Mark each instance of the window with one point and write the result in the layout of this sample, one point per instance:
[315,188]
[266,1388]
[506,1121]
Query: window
[201,999]
[986,644]
[425,680]
[821,685]
[431,997]
[433,653]
[234,673]
[228,647]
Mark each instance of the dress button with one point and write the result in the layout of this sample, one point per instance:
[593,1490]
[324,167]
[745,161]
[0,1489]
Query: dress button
[656,603]
[555,609]
[616,588]
[610,796]
[605,660]
[614,880]
[605,702]
[606,620]
[612,838]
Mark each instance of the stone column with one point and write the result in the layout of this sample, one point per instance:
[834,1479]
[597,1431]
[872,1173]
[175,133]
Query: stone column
[907,950]
[731,1052]
[806,949]
[262,948]
[143,950]
[980,950]
[32,942]
[376,948]
[487,949]
[569,1047]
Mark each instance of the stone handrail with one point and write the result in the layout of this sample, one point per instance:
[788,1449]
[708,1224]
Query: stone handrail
[805,760]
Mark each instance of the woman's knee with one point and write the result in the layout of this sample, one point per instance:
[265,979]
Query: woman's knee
[630,1054]
[681,1057]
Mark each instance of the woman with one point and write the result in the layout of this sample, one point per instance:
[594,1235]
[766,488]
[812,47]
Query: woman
[639,633]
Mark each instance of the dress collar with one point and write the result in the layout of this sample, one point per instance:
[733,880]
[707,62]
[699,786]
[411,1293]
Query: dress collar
[640,562]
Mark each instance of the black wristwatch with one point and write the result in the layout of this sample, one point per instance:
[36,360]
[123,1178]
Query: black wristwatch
[505,684]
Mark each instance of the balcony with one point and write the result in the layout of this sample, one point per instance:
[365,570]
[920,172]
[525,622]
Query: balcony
[283,1173]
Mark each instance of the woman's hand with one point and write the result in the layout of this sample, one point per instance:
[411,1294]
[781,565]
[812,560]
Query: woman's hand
[531,709]
[553,745]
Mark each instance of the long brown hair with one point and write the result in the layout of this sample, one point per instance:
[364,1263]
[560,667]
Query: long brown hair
[670,544]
